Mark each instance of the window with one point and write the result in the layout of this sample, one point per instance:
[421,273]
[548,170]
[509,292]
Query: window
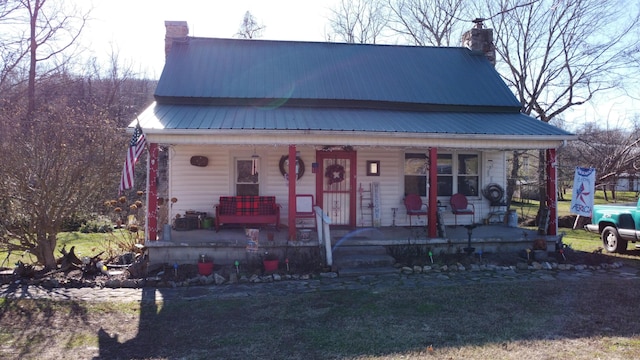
[445,175]
[246,182]
[457,173]
[415,174]
[468,174]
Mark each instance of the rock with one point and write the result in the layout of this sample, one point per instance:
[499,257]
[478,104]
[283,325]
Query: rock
[406,270]
[522,266]
[444,268]
[328,275]
[417,269]
[426,268]
[219,279]
[277,277]
[474,267]
[546,265]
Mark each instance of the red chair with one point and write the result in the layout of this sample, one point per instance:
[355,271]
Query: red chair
[460,206]
[413,203]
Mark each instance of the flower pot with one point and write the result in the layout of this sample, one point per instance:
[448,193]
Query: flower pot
[205,268]
[270,265]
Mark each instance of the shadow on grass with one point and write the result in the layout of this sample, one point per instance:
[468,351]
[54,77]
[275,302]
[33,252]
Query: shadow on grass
[393,321]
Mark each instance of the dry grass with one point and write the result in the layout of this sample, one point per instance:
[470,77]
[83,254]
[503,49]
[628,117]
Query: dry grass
[577,319]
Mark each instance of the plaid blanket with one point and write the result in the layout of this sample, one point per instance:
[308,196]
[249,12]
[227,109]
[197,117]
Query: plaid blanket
[247,205]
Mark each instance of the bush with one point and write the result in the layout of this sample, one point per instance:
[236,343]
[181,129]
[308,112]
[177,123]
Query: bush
[100,225]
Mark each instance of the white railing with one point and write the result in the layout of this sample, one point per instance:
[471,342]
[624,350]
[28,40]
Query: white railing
[324,236]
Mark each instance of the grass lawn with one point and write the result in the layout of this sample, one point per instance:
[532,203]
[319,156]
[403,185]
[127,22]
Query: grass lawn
[581,318]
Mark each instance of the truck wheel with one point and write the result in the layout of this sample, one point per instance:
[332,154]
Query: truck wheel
[611,240]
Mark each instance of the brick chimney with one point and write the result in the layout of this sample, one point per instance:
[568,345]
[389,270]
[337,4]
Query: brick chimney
[175,31]
[480,40]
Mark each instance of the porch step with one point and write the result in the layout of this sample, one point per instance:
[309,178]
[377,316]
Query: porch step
[361,260]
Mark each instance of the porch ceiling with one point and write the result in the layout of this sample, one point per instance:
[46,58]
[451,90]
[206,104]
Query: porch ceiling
[286,125]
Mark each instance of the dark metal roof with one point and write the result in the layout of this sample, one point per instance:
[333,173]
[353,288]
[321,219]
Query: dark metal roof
[230,71]
[190,117]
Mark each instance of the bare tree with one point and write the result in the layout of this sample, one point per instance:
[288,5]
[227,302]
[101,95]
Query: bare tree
[556,55]
[359,21]
[67,150]
[429,22]
[54,28]
[50,169]
[250,29]
[612,152]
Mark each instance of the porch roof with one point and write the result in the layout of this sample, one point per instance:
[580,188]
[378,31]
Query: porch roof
[197,119]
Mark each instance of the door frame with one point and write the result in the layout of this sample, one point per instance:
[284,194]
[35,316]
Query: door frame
[353,166]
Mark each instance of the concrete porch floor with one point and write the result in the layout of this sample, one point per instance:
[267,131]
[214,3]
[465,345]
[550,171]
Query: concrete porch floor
[230,243]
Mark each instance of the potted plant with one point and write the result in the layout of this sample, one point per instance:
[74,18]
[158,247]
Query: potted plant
[270,262]
[205,265]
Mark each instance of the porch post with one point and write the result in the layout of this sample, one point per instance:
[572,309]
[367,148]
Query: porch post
[292,192]
[552,192]
[433,192]
[152,193]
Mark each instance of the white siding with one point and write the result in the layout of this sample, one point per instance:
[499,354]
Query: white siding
[199,188]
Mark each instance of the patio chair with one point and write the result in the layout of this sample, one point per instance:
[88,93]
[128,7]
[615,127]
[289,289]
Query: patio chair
[460,206]
[413,203]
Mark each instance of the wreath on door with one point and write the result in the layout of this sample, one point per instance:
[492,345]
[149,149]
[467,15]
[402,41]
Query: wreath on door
[334,173]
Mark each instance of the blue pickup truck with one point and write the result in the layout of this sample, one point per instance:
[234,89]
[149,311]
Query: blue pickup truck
[617,225]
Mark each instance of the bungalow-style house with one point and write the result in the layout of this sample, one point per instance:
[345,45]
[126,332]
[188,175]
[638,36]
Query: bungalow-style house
[369,126]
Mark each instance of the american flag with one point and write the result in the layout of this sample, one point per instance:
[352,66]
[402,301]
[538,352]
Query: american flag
[136,147]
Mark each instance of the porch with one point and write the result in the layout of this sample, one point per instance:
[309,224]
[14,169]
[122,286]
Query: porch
[230,243]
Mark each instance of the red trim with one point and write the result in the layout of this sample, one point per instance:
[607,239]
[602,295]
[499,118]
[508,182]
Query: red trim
[152,193]
[353,169]
[433,192]
[292,194]
[552,192]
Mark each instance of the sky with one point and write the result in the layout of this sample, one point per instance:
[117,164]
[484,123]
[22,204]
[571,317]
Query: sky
[135,30]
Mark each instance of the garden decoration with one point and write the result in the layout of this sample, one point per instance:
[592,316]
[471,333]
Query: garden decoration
[270,262]
[431,256]
[237,264]
[469,249]
[286,261]
[205,265]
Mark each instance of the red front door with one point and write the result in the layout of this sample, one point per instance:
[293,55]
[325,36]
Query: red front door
[336,186]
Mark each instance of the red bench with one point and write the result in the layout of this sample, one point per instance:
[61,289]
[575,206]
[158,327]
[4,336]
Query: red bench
[247,210]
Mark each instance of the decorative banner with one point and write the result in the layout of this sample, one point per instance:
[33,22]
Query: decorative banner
[584,186]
